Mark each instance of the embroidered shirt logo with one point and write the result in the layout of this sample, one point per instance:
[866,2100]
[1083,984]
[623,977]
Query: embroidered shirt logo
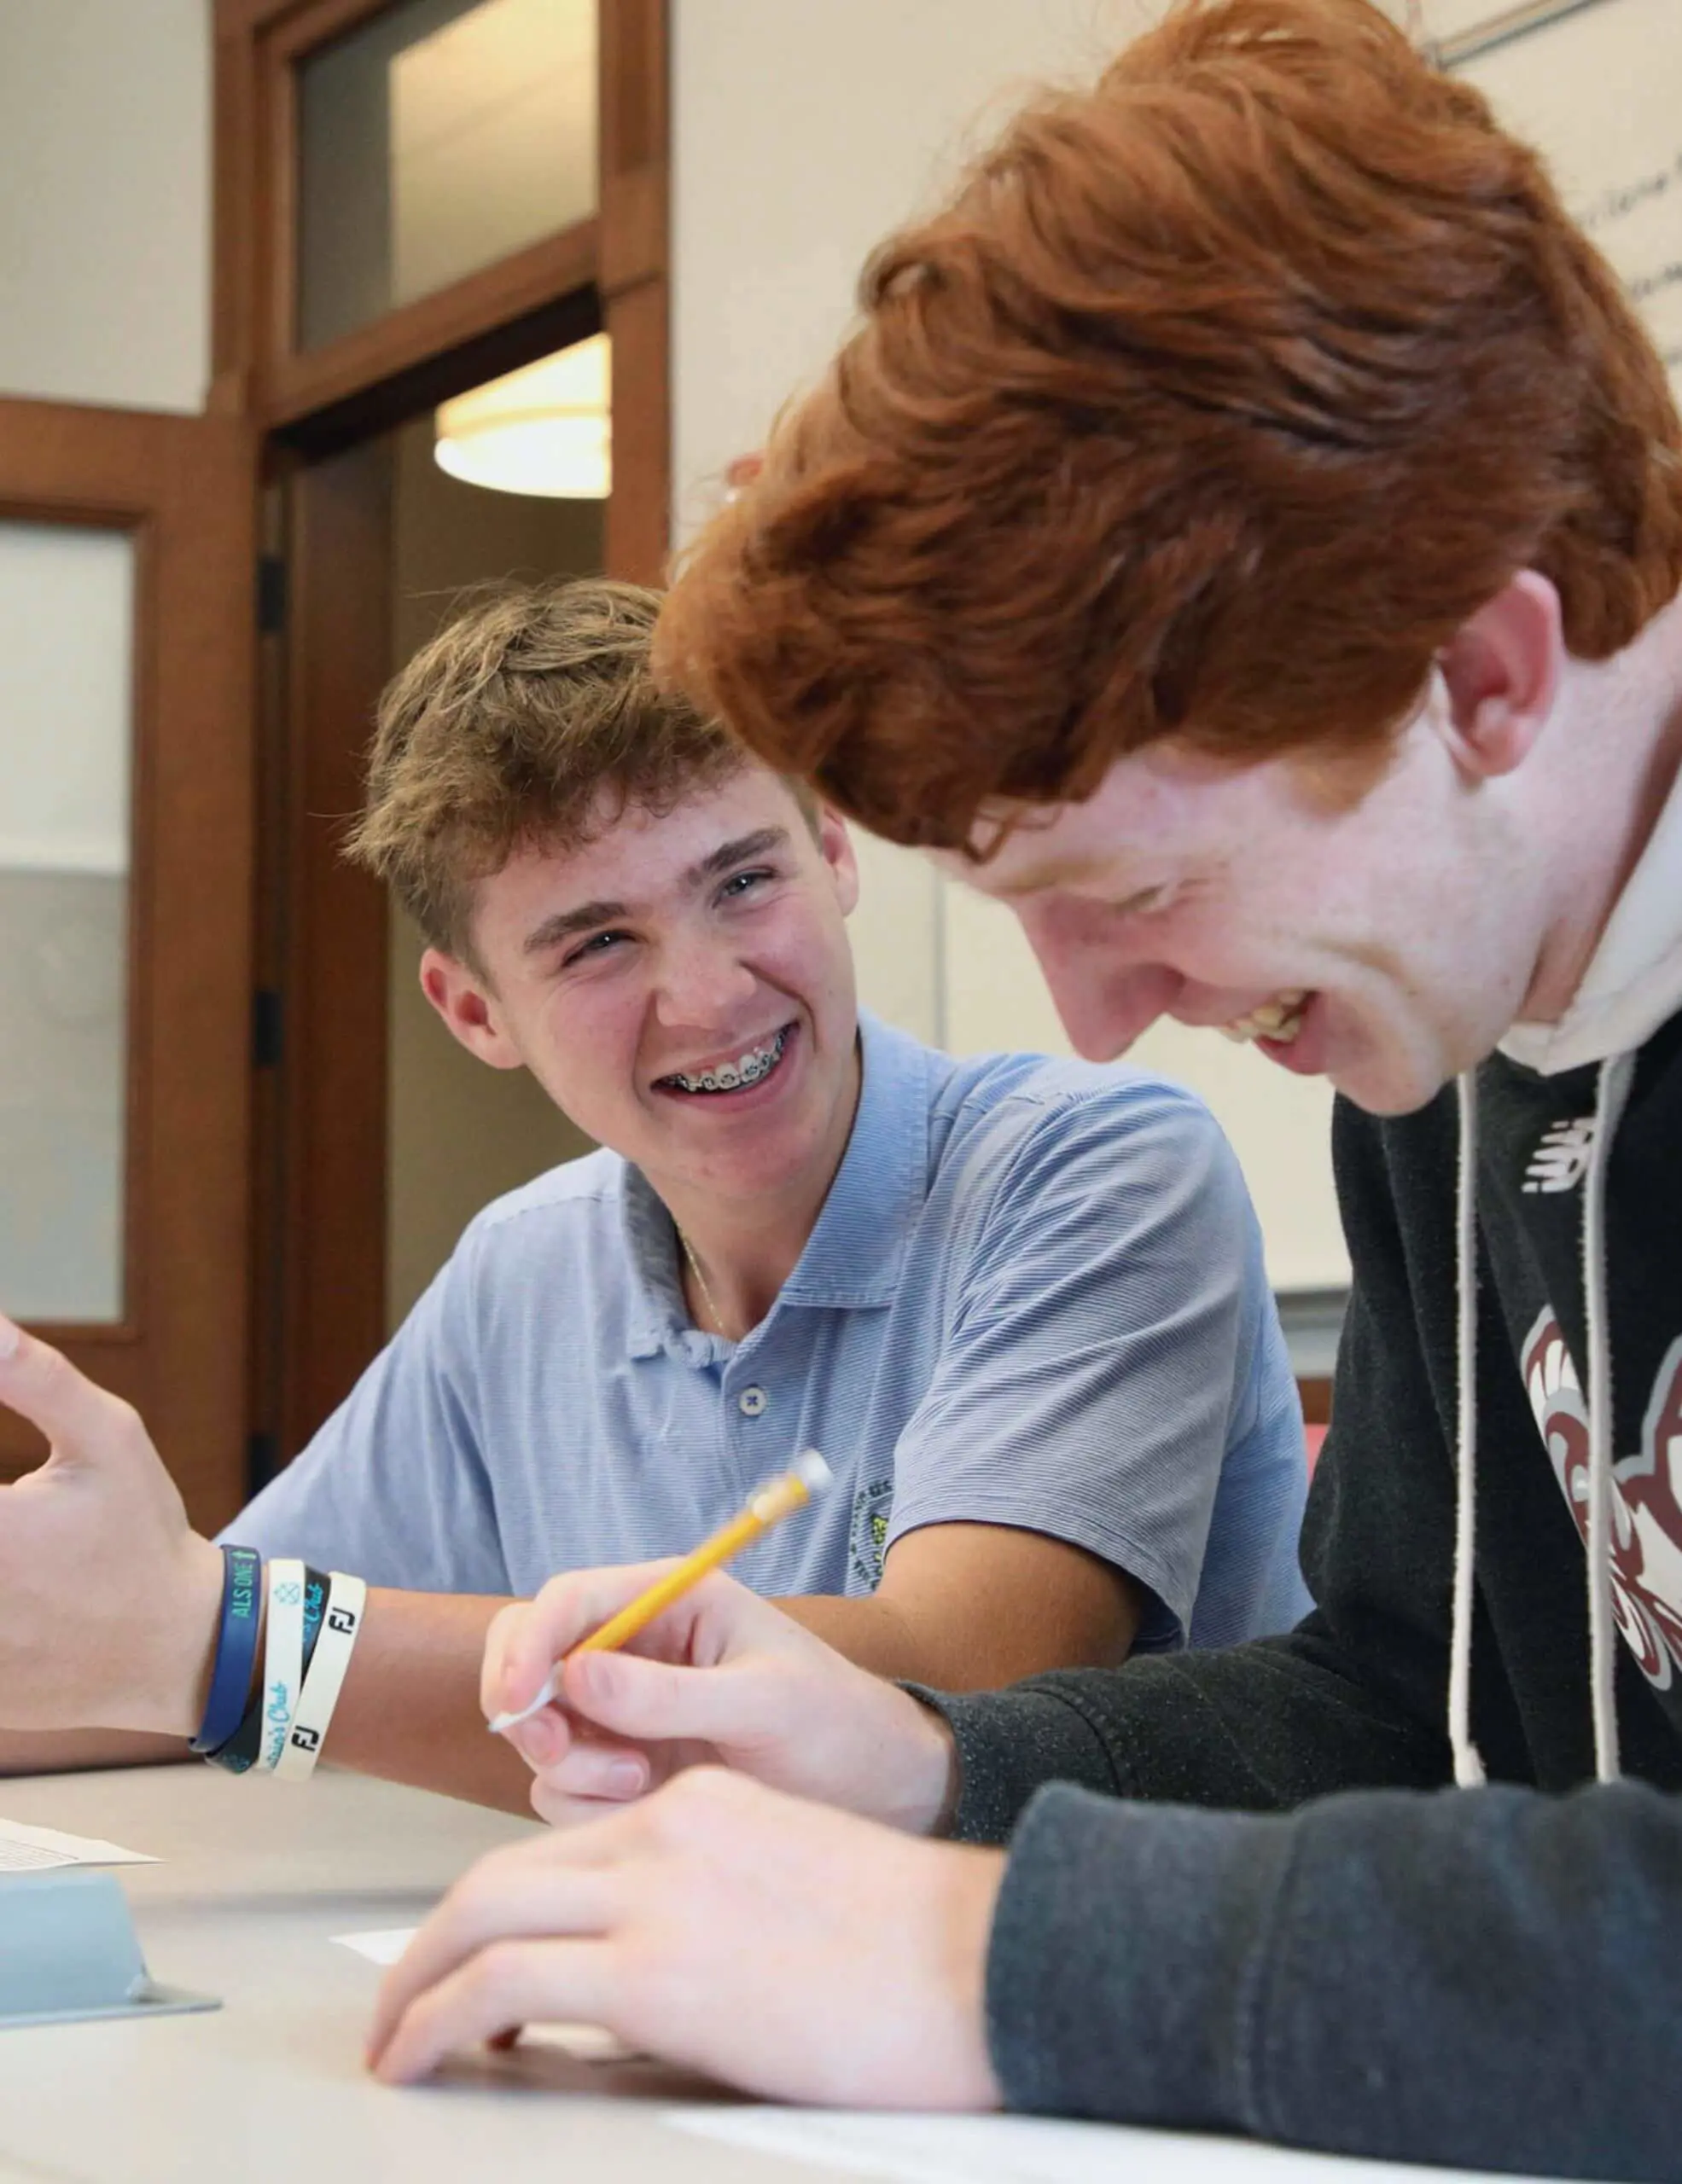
[872,1505]
[1561,1160]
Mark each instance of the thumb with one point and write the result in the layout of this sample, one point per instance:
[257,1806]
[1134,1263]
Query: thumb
[653,1702]
[524,1641]
[39,1382]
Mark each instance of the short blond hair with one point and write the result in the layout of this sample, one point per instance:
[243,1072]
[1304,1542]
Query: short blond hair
[503,732]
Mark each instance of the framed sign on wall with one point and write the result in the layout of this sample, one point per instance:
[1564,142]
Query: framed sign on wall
[1596,86]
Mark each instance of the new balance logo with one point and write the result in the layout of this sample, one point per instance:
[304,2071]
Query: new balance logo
[1562,1159]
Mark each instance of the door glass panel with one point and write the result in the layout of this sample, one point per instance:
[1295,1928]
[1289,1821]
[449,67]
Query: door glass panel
[435,140]
[67,647]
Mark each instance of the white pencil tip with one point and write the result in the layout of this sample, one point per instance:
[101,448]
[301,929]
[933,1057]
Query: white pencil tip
[813,1474]
[502,1721]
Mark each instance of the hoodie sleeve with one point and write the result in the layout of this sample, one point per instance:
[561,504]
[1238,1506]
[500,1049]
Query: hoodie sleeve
[1485,1978]
[1267,1922]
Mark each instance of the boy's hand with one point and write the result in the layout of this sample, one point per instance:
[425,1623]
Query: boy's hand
[795,1952]
[109,1600]
[720,1678]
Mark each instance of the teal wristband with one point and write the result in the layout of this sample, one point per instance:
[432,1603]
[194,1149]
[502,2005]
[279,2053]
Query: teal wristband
[239,1755]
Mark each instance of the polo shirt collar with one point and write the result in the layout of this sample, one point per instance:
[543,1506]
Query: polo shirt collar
[659,1318]
[853,1255]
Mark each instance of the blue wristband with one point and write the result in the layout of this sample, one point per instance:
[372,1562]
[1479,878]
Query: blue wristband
[239,1755]
[236,1647]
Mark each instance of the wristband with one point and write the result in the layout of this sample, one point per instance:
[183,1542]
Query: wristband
[235,1648]
[282,1658]
[239,1755]
[340,1626]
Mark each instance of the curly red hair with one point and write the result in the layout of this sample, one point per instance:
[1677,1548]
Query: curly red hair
[1217,398]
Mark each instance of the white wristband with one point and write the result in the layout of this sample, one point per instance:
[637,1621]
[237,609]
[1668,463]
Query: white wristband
[282,1658]
[340,1623]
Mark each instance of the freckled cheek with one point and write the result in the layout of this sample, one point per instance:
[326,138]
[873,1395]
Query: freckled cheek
[799,961]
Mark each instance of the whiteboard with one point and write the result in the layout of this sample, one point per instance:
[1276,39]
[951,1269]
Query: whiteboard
[1596,87]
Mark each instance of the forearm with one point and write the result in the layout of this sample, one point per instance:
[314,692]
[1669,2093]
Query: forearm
[1373,1974]
[868,1631]
[409,1712]
[64,1751]
[891,1642]
[964,1622]
[410,1709]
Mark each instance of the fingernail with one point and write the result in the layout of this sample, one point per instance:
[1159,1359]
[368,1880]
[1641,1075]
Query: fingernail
[625,1779]
[539,1739]
[10,1335]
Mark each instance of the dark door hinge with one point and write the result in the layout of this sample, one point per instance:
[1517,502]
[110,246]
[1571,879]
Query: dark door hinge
[266,1028]
[262,1460]
[271,594]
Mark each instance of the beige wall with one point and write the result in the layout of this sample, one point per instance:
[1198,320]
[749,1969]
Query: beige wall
[105,200]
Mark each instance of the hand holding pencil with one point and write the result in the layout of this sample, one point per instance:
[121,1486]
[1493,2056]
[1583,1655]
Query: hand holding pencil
[706,1674]
[768,1505]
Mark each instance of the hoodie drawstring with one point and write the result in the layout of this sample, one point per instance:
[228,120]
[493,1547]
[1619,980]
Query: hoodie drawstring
[1467,1761]
[1612,1091]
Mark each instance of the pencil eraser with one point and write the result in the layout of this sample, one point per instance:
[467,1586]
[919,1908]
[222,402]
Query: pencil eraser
[813,1474]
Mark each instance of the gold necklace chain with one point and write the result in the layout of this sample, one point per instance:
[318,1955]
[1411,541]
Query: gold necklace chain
[707,1298]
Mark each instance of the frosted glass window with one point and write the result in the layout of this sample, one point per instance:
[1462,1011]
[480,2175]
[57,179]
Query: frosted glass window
[436,139]
[67,647]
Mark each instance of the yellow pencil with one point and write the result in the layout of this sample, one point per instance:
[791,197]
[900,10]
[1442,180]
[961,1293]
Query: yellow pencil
[777,1498]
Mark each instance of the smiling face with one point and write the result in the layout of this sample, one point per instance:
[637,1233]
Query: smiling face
[682,988]
[1398,934]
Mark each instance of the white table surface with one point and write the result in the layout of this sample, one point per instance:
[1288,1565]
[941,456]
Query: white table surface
[256,1876]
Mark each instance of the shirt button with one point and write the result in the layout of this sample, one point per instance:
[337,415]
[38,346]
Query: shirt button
[751,1402]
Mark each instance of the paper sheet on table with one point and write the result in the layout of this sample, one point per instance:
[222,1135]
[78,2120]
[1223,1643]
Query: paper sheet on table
[1020,2150]
[26,1849]
[591,2043]
[382,1945]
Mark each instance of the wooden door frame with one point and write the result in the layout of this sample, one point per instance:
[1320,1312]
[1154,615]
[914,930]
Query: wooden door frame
[444,341]
[319,1186]
[180,487]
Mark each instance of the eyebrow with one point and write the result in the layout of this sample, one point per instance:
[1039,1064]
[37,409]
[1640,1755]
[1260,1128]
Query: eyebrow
[588,917]
[565,923]
[760,843]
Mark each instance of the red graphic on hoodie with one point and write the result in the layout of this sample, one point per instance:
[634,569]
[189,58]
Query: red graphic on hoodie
[1646,1503]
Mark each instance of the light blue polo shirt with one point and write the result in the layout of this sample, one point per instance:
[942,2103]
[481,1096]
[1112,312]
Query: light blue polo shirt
[1034,1297]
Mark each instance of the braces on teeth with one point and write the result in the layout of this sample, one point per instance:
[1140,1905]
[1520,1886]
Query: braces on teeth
[734,1076]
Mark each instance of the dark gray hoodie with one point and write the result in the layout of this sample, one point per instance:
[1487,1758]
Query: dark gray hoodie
[1276,1915]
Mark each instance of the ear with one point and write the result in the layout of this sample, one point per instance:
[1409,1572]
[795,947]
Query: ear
[1502,672]
[836,844]
[468,1006]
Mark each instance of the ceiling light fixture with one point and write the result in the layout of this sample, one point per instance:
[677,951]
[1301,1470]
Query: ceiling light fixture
[544,429]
